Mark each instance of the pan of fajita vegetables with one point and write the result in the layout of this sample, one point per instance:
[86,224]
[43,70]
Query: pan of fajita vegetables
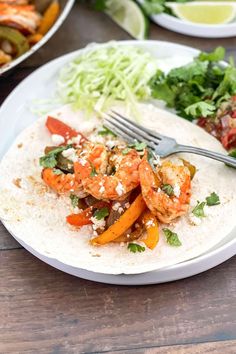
[26,25]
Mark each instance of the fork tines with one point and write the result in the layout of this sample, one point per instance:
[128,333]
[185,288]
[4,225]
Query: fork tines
[129,130]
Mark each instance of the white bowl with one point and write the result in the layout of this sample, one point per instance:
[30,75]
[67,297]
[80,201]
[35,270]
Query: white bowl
[193,29]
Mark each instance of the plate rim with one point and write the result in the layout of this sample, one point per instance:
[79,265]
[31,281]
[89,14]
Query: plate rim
[221,249]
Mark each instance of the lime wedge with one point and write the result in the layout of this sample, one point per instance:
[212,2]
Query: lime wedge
[212,13]
[128,15]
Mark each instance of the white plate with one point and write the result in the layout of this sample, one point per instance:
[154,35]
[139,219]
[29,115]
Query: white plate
[192,29]
[15,116]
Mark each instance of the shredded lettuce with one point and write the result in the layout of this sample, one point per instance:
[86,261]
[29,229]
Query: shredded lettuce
[100,77]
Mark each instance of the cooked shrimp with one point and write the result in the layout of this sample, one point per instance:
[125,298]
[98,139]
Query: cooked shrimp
[166,207]
[114,187]
[22,17]
[62,183]
[71,183]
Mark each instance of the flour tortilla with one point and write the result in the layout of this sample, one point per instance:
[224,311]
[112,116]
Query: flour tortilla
[36,215]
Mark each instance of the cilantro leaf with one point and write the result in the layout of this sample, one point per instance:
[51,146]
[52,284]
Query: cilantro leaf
[106,131]
[168,189]
[213,199]
[101,213]
[93,172]
[74,200]
[134,247]
[200,109]
[138,146]
[172,238]
[56,171]
[50,159]
[198,211]
[232,153]
[99,5]
[126,151]
[217,55]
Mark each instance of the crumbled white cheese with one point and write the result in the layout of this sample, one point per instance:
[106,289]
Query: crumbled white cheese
[70,154]
[176,190]
[120,189]
[102,189]
[76,210]
[150,223]
[82,161]
[208,210]
[120,210]
[110,144]
[195,220]
[127,205]
[97,224]
[57,139]
[116,206]
[76,139]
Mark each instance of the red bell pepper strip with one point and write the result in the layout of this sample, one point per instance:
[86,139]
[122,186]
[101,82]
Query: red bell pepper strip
[55,126]
[80,219]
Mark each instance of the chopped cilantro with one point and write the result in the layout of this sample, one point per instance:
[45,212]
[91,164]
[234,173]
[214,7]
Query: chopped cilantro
[168,189]
[151,159]
[138,146]
[134,247]
[74,200]
[50,159]
[93,172]
[198,211]
[101,213]
[172,238]
[200,109]
[56,171]
[106,131]
[232,153]
[217,55]
[126,151]
[213,199]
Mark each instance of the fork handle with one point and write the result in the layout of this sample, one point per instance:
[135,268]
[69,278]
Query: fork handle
[230,161]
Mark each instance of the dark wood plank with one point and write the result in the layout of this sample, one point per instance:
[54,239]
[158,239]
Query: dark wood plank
[47,309]
[6,240]
[227,347]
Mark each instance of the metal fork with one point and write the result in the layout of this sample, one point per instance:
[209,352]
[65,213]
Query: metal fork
[160,144]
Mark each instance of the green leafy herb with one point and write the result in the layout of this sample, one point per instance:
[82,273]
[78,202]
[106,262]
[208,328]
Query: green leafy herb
[136,145]
[106,131]
[56,171]
[93,172]
[196,89]
[50,159]
[126,151]
[168,189]
[74,200]
[134,247]
[101,213]
[200,109]
[172,238]
[217,55]
[232,153]
[213,199]
[198,211]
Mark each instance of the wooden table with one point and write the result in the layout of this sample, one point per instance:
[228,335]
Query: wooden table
[46,311]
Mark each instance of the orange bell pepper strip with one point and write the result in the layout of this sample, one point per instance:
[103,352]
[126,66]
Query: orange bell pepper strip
[34,38]
[151,225]
[123,223]
[55,126]
[49,17]
[80,219]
